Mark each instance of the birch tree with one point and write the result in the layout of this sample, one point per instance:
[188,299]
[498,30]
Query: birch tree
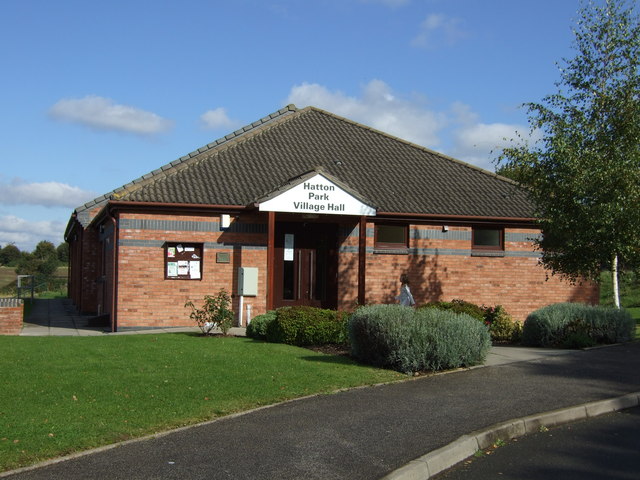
[583,175]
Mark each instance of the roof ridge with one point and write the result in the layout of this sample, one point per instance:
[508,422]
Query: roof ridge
[171,166]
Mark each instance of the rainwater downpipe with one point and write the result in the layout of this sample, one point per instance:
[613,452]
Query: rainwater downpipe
[114,276]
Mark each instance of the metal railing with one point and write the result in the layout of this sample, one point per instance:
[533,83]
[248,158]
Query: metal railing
[28,286]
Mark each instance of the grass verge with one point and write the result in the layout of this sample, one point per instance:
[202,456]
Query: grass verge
[629,294]
[64,394]
[635,314]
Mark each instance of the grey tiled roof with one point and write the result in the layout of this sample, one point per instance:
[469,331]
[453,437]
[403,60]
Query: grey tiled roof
[394,175]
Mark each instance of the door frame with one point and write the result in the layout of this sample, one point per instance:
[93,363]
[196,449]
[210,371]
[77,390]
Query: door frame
[312,265]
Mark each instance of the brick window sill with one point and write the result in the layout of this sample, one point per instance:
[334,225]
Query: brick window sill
[391,251]
[487,253]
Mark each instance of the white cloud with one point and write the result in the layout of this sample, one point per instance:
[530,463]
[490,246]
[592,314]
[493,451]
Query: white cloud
[437,30]
[47,194]
[218,118]
[480,143]
[26,235]
[103,114]
[378,107]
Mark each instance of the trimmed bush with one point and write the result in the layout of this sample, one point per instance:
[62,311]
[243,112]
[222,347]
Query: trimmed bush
[409,340]
[502,327]
[303,326]
[459,306]
[258,327]
[575,325]
[376,331]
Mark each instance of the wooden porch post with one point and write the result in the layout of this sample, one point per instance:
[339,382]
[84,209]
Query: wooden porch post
[362,260]
[271,250]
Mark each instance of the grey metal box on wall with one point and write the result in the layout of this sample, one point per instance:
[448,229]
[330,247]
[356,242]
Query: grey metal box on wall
[248,281]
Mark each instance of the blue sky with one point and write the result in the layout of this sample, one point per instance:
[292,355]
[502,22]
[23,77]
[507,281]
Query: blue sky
[96,94]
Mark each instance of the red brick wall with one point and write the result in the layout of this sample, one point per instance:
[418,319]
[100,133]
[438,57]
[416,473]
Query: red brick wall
[448,271]
[11,314]
[85,258]
[145,298]
[440,266]
[348,269]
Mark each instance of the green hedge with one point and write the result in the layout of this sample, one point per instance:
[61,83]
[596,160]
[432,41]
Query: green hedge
[502,327]
[575,325]
[257,328]
[303,326]
[459,306]
[409,340]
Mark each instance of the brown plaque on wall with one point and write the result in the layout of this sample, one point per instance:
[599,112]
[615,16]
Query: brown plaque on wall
[223,257]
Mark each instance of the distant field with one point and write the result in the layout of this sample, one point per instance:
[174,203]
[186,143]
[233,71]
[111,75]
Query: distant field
[7,276]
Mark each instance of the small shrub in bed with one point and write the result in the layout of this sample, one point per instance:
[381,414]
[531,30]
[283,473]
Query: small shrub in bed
[502,327]
[411,340]
[215,313]
[575,325]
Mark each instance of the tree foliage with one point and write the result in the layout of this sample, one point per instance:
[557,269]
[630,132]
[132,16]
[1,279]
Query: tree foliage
[583,175]
[10,255]
[62,251]
[43,261]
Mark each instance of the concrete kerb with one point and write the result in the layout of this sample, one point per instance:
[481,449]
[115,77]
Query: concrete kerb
[466,446]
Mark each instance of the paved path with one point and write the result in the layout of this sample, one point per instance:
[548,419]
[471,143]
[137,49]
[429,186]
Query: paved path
[58,317]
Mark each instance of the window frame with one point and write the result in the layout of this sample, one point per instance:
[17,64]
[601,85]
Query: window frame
[386,246]
[185,255]
[490,248]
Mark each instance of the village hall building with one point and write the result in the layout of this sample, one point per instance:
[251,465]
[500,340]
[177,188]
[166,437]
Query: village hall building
[304,207]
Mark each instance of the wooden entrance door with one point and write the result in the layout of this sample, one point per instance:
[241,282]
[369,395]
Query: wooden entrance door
[305,265]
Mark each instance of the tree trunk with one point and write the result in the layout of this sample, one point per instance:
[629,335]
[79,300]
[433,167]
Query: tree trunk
[614,281]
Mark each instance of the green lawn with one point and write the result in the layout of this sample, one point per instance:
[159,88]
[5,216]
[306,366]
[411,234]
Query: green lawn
[64,394]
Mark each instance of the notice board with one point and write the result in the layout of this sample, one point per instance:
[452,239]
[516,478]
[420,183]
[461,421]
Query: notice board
[183,261]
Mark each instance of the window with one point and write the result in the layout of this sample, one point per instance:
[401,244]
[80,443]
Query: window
[183,261]
[488,239]
[392,237]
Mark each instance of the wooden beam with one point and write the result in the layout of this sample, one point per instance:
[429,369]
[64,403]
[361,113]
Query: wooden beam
[362,261]
[271,259]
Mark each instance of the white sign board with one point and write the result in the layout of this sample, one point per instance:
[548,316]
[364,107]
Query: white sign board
[317,195]
[288,247]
